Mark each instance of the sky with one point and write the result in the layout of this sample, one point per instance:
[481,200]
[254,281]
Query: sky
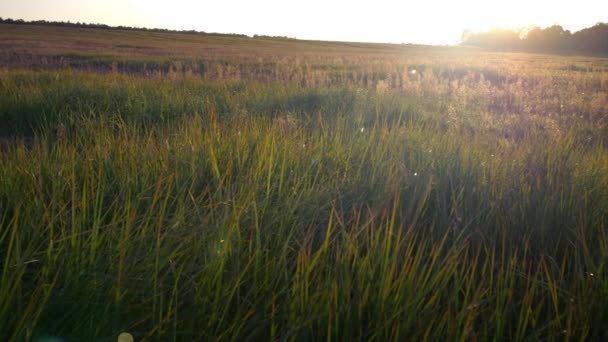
[434,22]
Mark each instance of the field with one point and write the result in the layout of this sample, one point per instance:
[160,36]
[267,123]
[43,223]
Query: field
[188,187]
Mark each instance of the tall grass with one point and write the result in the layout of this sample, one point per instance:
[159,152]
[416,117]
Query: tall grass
[185,209]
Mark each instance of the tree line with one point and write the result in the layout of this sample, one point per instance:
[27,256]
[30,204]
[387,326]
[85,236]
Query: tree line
[108,27]
[555,38]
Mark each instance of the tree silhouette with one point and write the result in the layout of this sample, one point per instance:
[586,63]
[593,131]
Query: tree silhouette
[106,27]
[553,38]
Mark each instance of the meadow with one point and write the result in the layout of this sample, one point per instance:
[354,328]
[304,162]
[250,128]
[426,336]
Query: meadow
[186,187]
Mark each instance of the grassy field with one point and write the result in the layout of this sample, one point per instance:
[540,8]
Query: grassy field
[188,187]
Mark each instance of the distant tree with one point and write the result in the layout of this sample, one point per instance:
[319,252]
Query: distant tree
[465,35]
[553,38]
[502,39]
[106,27]
[592,39]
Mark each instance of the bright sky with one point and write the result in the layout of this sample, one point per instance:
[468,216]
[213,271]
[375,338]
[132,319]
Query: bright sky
[422,21]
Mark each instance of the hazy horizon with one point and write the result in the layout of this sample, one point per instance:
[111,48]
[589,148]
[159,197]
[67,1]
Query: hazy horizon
[385,21]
